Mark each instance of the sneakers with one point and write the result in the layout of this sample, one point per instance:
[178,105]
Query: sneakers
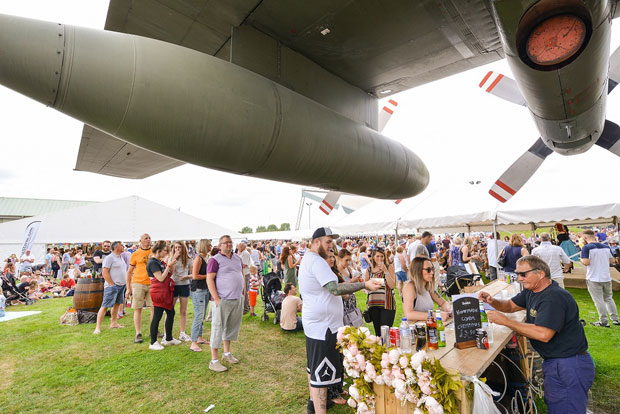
[173,341]
[229,358]
[156,346]
[217,366]
[599,324]
[616,322]
[310,407]
[184,337]
[138,339]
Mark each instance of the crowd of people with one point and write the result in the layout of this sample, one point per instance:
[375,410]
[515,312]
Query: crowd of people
[224,283]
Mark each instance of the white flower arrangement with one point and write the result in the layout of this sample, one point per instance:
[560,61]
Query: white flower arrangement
[413,378]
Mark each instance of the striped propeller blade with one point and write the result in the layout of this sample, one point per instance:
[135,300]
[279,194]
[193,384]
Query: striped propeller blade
[329,202]
[520,171]
[386,113]
[502,87]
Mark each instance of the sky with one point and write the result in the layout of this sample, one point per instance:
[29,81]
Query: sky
[460,132]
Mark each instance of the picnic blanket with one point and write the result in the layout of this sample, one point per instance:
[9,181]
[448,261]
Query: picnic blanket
[14,315]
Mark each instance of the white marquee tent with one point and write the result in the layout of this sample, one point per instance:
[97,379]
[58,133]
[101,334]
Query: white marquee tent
[472,209]
[124,219]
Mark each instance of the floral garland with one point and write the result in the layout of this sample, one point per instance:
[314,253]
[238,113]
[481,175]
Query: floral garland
[413,378]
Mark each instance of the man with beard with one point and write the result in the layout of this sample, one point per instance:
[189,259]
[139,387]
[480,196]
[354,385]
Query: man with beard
[555,332]
[100,255]
[322,316]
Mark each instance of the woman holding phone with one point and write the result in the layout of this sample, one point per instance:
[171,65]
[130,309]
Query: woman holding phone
[181,276]
[381,305]
[200,293]
[162,291]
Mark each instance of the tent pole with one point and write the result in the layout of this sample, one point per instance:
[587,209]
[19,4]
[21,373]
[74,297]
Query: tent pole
[495,237]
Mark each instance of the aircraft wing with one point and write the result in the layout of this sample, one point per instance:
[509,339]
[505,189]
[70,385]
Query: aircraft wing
[380,47]
[104,154]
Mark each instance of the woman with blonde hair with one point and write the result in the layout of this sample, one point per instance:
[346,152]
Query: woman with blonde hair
[181,276]
[454,256]
[200,293]
[419,295]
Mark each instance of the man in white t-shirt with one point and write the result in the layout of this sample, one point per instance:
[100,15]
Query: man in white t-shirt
[411,249]
[26,262]
[246,259]
[322,315]
[554,256]
[597,258]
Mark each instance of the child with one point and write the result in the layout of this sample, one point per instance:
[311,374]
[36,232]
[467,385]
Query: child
[253,292]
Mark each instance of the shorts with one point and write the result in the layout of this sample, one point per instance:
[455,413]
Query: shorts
[253,296]
[113,295]
[181,290]
[324,365]
[401,276]
[141,294]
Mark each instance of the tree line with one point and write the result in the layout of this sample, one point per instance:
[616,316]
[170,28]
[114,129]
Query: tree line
[262,229]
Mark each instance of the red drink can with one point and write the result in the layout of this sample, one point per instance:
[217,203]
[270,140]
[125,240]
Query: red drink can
[394,337]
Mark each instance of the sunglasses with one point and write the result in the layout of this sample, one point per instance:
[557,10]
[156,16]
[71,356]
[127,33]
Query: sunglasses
[524,274]
[428,269]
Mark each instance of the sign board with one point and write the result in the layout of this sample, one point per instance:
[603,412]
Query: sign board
[466,311]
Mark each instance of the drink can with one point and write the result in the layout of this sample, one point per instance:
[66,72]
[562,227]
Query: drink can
[481,339]
[394,337]
[385,335]
[420,336]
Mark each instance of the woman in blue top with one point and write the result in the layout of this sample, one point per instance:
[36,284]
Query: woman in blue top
[514,252]
[364,260]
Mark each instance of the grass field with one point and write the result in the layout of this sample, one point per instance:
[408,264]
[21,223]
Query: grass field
[48,368]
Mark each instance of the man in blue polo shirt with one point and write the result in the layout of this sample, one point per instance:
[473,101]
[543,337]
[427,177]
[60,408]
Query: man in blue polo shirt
[555,332]
[597,257]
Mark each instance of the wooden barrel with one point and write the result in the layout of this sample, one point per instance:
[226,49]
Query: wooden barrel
[88,294]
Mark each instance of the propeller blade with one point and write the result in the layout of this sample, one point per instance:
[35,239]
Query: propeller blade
[520,171]
[330,200]
[386,113]
[398,201]
[610,138]
[502,87]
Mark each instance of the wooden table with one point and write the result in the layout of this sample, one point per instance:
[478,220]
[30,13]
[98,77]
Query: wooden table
[469,362]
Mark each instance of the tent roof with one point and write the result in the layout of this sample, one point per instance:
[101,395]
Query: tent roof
[27,207]
[472,209]
[124,219]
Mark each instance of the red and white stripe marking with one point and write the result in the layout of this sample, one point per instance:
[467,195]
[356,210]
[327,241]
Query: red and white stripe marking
[398,201]
[325,207]
[390,107]
[501,191]
[490,81]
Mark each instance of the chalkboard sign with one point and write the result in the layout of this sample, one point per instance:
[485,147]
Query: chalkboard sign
[466,311]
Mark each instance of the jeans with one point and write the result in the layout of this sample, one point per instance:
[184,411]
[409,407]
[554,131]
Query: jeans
[157,314]
[566,382]
[200,300]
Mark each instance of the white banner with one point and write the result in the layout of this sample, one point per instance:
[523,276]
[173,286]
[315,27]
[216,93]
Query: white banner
[29,236]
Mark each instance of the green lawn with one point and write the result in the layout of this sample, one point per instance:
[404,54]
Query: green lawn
[48,368]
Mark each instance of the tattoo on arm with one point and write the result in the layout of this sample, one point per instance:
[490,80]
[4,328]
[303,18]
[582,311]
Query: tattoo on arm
[339,289]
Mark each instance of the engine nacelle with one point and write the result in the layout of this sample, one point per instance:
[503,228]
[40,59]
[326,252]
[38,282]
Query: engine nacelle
[558,51]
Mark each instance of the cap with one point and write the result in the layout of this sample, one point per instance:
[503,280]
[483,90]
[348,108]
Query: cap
[324,231]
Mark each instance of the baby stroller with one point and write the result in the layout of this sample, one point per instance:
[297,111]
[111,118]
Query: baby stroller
[12,293]
[457,278]
[272,295]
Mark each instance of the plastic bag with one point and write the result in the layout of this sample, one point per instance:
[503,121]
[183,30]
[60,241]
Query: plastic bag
[69,318]
[483,397]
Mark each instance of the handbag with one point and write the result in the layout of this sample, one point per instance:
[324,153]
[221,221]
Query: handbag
[501,260]
[366,316]
[354,318]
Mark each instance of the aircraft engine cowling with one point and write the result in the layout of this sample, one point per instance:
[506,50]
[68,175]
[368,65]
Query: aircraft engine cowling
[558,51]
[200,109]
